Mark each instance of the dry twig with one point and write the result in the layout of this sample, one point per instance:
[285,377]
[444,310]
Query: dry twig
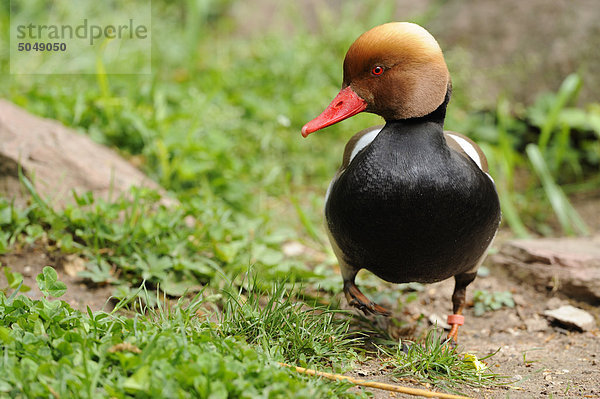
[379,385]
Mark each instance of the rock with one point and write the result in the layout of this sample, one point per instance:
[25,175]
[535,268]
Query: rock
[58,160]
[73,264]
[567,265]
[536,324]
[571,316]
[555,302]
[436,320]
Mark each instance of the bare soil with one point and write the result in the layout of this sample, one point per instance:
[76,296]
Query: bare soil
[30,261]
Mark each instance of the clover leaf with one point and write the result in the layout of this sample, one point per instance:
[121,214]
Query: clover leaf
[48,283]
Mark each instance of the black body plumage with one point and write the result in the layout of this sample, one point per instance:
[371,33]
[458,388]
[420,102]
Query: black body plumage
[410,208]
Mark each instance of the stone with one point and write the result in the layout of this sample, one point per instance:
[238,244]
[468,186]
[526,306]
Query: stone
[572,317]
[58,160]
[536,324]
[439,321]
[566,265]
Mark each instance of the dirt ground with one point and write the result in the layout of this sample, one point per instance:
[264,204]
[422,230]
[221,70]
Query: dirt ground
[30,262]
[542,359]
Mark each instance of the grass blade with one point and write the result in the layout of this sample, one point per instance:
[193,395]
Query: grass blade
[567,92]
[502,159]
[568,217]
[14,294]
[511,214]
[306,222]
[34,194]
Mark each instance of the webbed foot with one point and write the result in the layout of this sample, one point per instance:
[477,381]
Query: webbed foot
[357,299]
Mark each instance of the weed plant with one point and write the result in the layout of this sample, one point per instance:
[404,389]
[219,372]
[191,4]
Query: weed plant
[51,350]
[288,329]
[434,360]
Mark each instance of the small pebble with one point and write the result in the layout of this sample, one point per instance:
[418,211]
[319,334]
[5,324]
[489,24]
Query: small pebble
[435,319]
[572,317]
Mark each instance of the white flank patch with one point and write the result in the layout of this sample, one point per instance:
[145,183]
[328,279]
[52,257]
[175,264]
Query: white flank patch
[364,141]
[467,148]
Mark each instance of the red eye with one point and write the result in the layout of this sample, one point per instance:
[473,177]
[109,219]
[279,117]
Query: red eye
[377,70]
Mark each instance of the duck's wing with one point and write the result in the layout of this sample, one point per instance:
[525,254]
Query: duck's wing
[356,143]
[359,141]
[467,148]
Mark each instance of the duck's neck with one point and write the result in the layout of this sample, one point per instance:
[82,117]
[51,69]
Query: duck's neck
[417,135]
[436,116]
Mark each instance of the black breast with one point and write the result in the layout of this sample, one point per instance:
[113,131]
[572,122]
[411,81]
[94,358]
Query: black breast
[408,208]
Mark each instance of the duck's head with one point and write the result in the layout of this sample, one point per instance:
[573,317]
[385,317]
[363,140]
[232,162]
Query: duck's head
[396,70]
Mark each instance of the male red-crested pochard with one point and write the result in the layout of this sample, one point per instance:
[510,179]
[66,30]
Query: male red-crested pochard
[411,202]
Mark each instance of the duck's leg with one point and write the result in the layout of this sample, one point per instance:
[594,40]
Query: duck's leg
[355,297]
[458,302]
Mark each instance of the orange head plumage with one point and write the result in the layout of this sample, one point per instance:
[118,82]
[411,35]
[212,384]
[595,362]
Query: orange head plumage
[396,70]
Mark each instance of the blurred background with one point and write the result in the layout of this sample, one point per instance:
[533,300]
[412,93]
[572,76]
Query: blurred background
[217,122]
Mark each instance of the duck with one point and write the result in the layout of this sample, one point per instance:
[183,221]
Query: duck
[410,202]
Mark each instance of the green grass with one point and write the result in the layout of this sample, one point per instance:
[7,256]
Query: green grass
[217,124]
[223,345]
[136,238]
[432,360]
[289,329]
[50,349]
